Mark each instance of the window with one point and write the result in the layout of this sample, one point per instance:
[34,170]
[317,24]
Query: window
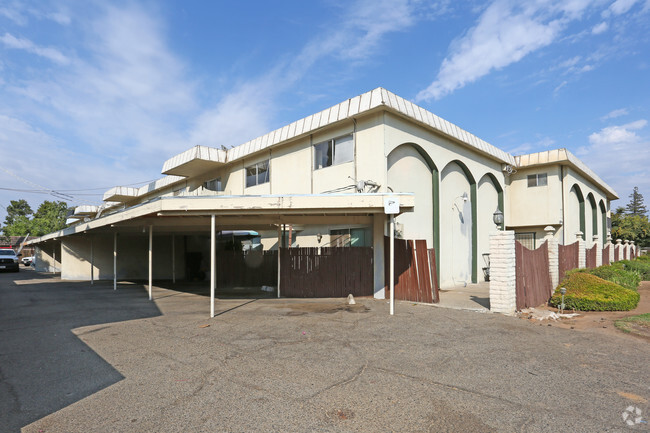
[257,174]
[537,180]
[332,152]
[526,239]
[213,185]
[360,237]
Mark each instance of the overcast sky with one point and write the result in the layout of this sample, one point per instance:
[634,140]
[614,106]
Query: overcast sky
[95,94]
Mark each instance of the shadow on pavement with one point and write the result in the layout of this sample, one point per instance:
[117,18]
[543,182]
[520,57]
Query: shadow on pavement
[44,367]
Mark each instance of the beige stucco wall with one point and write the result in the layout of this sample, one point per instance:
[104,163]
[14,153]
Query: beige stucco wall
[534,206]
[132,257]
[48,257]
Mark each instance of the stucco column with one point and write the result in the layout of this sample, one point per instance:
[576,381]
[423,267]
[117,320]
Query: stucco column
[553,256]
[503,277]
[599,250]
[582,253]
[611,248]
[378,222]
[619,248]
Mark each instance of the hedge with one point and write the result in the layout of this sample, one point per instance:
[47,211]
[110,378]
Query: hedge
[640,266]
[586,292]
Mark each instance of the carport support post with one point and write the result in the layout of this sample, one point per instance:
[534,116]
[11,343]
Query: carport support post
[115,261]
[212,262]
[392,264]
[92,263]
[279,261]
[173,261]
[150,258]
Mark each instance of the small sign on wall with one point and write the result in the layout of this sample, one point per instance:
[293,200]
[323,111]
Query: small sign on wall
[391,205]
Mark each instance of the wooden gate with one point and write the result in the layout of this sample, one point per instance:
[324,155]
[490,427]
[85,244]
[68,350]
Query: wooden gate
[415,271]
[328,273]
[591,257]
[606,255]
[568,258]
[533,279]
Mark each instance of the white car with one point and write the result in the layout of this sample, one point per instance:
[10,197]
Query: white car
[8,260]
[27,261]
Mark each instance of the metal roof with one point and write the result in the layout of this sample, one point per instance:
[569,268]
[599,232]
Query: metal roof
[559,156]
[368,101]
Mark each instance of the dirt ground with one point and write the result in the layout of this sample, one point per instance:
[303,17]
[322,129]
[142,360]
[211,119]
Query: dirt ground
[601,321]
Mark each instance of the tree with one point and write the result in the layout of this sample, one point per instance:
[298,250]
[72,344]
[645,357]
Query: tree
[636,206]
[50,217]
[632,227]
[16,209]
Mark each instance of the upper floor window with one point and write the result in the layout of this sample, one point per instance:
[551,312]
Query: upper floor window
[333,152]
[537,180]
[257,174]
[213,185]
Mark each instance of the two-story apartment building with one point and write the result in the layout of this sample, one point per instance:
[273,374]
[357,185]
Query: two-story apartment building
[323,180]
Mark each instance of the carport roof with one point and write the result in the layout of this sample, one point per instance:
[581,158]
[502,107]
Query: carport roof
[268,209]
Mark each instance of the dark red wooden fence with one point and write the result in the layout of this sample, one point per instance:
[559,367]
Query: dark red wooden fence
[606,255]
[331,273]
[616,254]
[591,257]
[533,279]
[250,268]
[413,271]
[568,258]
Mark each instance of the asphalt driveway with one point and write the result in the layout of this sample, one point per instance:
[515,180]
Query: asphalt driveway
[79,358]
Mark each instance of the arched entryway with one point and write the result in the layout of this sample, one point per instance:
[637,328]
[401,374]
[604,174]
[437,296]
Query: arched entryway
[458,230]
[575,215]
[490,197]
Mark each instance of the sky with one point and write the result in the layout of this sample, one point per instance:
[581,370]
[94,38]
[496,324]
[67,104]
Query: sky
[95,94]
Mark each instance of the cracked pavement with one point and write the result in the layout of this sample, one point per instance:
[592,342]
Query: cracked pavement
[77,358]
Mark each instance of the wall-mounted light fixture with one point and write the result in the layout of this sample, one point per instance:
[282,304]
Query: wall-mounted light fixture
[497,218]
[319,237]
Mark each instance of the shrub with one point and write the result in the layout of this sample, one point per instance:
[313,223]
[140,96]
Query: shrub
[616,273]
[586,292]
[640,266]
[627,278]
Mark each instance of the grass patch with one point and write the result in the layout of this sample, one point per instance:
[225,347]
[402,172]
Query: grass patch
[640,266]
[639,324]
[586,292]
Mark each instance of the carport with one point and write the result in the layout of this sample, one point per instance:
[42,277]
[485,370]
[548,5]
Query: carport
[90,249]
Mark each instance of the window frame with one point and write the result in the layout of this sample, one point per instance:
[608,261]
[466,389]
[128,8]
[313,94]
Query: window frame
[330,152]
[537,178]
[218,186]
[256,176]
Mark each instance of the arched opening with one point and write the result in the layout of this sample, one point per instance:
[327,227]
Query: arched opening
[603,222]
[591,223]
[458,234]
[575,215]
[411,169]
[490,198]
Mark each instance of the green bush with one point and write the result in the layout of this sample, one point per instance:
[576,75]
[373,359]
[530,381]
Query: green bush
[640,266]
[616,273]
[627,278]
[586,292]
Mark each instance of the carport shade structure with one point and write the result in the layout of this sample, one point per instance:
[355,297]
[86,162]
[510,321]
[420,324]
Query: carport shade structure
[175,214]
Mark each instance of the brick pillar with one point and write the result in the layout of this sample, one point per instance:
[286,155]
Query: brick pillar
[626,248]
[599,250]
[632,250]
[553,256]
[611,248]
[503,277]
[619,248]
[582,253]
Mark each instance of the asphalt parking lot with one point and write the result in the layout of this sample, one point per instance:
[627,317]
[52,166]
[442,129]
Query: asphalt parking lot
[76,357]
